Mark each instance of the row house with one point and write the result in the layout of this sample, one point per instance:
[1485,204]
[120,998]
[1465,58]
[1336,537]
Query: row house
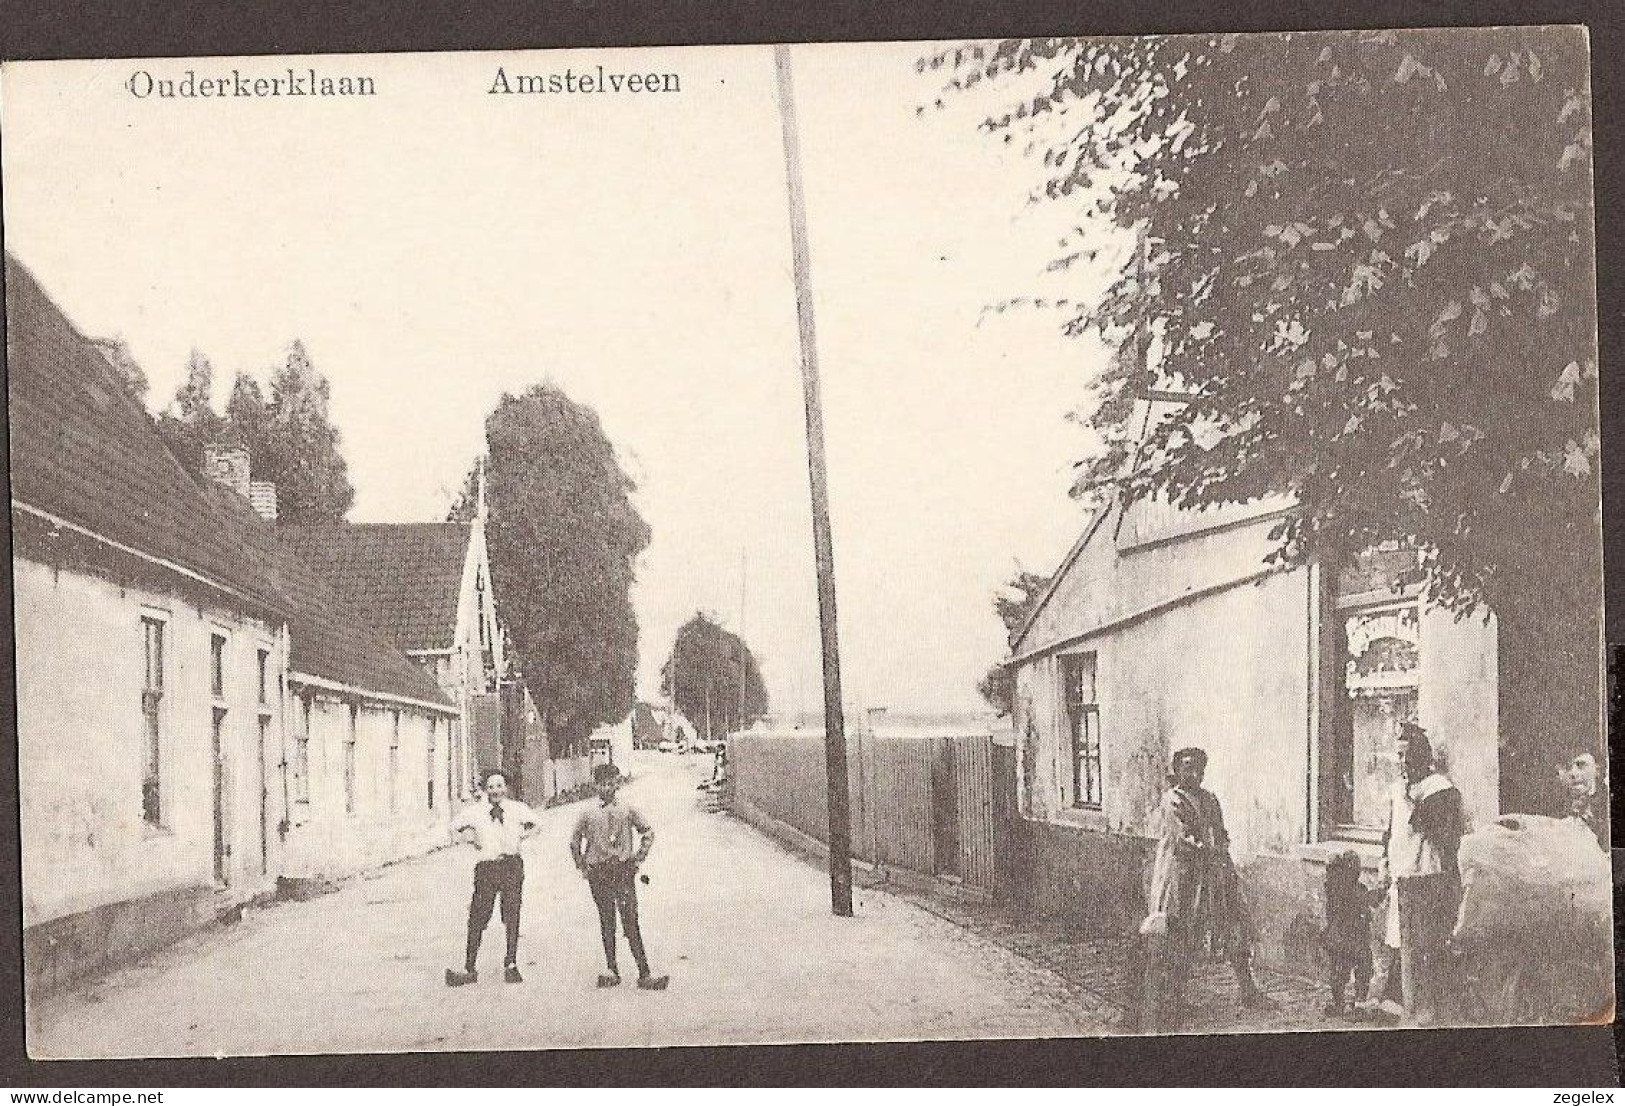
[198,715]
[427,587]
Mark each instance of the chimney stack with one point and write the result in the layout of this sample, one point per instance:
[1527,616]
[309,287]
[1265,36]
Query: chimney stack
[228,464]
[262,497]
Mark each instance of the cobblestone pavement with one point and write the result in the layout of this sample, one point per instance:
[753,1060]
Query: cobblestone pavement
[1101,973]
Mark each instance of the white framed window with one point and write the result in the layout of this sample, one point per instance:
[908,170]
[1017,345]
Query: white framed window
[1083,729]
[301,752]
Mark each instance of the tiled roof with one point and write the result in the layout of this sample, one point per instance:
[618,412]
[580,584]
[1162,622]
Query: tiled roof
[86,451]
[83,450]
[406,576]
[328,638]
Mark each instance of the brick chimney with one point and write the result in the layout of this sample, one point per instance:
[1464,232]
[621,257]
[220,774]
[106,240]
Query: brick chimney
[228,463]
[262,497]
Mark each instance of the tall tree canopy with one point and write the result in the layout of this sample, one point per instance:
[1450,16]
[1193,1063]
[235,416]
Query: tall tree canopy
[713,677]
[301,444]
[1014,603]
[190,422]
[1367,259]
[290,437]
[564,538]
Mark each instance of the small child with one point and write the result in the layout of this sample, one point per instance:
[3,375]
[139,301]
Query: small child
[1347,938]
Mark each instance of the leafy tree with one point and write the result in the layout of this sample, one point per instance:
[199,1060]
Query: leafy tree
[1014,603]
[1367,261]
[249,413]
[563,538]
[704,675]
[300,443]
[290,436]
[190,421]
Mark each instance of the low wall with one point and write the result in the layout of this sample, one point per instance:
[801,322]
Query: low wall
[76,946]
[1098,883]
[544,776]
[1094,881]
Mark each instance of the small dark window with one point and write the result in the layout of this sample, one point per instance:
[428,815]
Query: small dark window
[349,762]
[152,695]
[428,768]
[217,666]
[394,757]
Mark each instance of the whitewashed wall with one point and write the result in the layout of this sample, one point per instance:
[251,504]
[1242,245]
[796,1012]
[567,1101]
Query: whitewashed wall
[80,673]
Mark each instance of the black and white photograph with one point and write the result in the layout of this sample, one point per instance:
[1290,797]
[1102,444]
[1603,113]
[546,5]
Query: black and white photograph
[772,544]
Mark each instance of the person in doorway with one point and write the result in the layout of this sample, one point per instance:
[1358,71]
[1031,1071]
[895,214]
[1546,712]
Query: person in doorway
[1426,822]
[1195,895]
[609,843]
[495,826]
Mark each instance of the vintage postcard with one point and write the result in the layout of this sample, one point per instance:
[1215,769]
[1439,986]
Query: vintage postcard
[741,545]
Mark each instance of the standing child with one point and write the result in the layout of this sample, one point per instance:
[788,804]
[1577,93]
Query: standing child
[1347,938]
[607,846]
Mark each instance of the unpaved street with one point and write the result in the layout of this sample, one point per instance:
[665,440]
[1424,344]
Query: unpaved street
[743,928]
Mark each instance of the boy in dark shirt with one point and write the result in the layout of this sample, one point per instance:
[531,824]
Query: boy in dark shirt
[608,844]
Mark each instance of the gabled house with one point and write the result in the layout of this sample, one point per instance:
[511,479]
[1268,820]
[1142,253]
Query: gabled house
[165,646]
[646,731]
[427,586]
[1165,628]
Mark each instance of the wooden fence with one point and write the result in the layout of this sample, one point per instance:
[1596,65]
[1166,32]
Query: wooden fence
[924,804]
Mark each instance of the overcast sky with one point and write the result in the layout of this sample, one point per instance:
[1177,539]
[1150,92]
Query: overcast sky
[435,245]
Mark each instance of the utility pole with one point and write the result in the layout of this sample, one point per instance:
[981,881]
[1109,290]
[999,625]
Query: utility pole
[742,646]
[840,814]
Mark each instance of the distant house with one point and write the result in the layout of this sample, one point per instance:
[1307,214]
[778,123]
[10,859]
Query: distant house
[165,645]
[613,744]
[646,732]
[674,725]
[427,586]
[1165,628]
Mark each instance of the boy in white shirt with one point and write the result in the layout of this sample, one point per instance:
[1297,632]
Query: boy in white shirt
[496,827]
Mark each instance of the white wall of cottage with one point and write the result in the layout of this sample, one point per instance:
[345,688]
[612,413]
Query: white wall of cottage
[1231,668]
[1229,673]
[80,674]
[391,816]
